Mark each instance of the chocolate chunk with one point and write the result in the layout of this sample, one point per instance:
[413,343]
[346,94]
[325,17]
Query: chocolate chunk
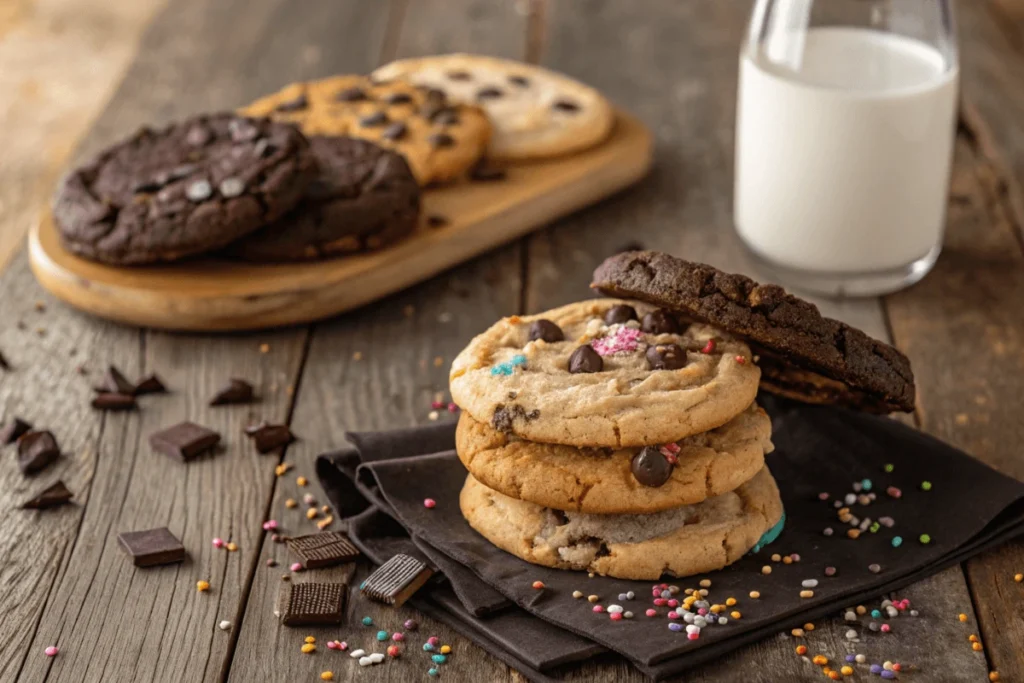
[114,382]
[445,117]
[459,75]
[150,385]
[184,441]
[484,172]
[504,417]
[50,497]
[231,187]
[312,604]
[37,451]
[13,431]
[269,438]
[352,94]
[436,221]
[236,391]
[521,81]
[147,186]
[377,118]
[396,131]
[659,322]
[440,140]
[198,136]
[566,106]
[111,401]
[297,104]
[396,580]
[4,365]
[585,359]
[152,547]
[489,93]
[398,98]
[650,467]
[620,313]
[325,549]
[666,357]
[546,330]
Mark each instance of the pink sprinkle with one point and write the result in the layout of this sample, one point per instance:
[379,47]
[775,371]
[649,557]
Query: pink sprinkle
[673,603]
[270,525]
[297,567]
[615,616]
[433,640]
[662,585]
[886,628]
[823,496]
[702,611]
[51,651]
[436,405]
[622,340]
[894,492]
[656,592]
[672,615]
[398,637]
[429,503]
[693,636]
[740,360]
[342,645]
[672,460]
[218,543]
[670,449]
[660,602]
[331,645]
[598,608]
[452,408]
[651,613]
[709,347]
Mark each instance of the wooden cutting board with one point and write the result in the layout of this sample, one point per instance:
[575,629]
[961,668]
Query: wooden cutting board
[215,294]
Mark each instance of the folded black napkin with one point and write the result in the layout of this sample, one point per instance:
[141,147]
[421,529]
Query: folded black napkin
[487,594]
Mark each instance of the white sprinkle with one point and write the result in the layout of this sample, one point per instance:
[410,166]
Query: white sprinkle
[365,661]
[860,659]
[722,621]
[887,665]
[892,612]
[854,520]
[857,486]
[688,617]
[700,622]
[914,613]
[865,523]
[622,596]
[828,531]
[614,609]
[850,499]
[809,583]
[887,521]
[376,657]
[577,594]
[224,626]
[692,628]
[850,616]
[851,635]
[630,595]
[356,654]
[627,615]
[838,504]
[666,594]
[886,603]
[432,415]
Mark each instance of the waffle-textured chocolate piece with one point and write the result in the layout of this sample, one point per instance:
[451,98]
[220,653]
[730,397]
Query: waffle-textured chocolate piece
[312,604]
[396,580]
[324,549]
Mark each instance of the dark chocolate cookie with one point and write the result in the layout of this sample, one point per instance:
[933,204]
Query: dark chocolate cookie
[192,187]
[363,198]
[802,353]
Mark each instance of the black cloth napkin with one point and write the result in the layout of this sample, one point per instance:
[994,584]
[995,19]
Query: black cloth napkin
[487,593]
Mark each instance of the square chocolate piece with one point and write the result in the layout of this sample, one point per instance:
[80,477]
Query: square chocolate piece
[325,549]
[396,580]
[152,547]
[37,451]
[312,604]
[269,437]
[185,440]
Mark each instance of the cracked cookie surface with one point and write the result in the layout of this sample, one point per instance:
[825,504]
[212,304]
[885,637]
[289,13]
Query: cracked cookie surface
[640,377]
[683,541]
[192,187]
[602,481]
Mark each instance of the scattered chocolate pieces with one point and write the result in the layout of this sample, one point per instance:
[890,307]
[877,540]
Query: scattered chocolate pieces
[585,359]
[152,547]
[114,382]
[312,604]
[396,580]
[37,451]
[4,365]
[440,140]
[651,468]
[325,549]
[184,441]
[150,385]
[236,391]
[546,330]
[395,131]
[13,431]
[268,437]
[666,357]
[352,94]
[435,221]
[659,322]
[51,497]
[620,313]
[377,118]
[111,401]
[297,104]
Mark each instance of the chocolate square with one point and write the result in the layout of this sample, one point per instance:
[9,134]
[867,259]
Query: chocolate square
[312,604]
[152,547]
[269,437]
[37,451]
[323,550]
[396,580]
[184,441]
[236,391]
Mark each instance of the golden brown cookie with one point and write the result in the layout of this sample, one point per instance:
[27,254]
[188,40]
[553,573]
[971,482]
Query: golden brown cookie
[623,481]
[680,542]
[440,140]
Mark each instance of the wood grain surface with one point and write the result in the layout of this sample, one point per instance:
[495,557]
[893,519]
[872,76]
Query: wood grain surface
[64,580]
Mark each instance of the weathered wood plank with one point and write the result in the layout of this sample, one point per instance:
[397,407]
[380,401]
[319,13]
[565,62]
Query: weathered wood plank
[380,367]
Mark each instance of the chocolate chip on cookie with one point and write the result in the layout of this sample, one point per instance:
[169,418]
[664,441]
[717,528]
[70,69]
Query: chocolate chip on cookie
[659,322]
[521,81]
[297,104]
[666,357]
[566,106]
[441,140]
[489,93]
[545,330]
[353,94]
[585,359]
[377,118]
[621,313]
[396,131]
[651,467]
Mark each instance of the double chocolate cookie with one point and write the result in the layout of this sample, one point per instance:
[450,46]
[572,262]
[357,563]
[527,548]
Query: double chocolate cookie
[802,354]
[192,187]
[364,197]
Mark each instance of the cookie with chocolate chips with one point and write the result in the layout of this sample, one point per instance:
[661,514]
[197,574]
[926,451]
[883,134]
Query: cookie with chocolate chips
[536,112]
[363,198]
[802,354]
[579,380]
[193,187]
[439,139]
[617,481]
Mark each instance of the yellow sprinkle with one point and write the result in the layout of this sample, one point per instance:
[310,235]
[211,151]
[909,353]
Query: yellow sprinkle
[962,617]
[593,598]
[808,626]
[766,569]
[688,591]
[703,592]
[310,639]
[325,522]
[577,594]
[301,481]
[787,560]
[972,638]
[327,676]
[729,602]
[705,583]
[776,557]
[846,671]
[445,649]
[282,469]
[202,586]
[755,594]
[716,609]
[308,648]
[797,633]
[820,660]
[993,675]
[1018,578]
[806,594]
[976,647]
[232,547]
[311,513]
[291,503]
[735,614]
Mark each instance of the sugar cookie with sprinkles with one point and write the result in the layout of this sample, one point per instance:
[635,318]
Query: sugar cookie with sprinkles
[536,112]
[683,541]
[622,481]
[440,140]
[603,374]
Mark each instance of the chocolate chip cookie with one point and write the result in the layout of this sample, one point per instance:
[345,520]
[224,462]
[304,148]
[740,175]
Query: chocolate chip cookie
[440,140]
[683,541]
[363,198]
[604,373]
[536,113]
[623,481]
[802,354]
[192,187]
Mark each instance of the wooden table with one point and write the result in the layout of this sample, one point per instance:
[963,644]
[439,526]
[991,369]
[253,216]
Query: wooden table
[63,579]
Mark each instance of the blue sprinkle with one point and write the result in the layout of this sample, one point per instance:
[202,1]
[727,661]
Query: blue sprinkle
[897,541]
[362,585]
[432,672]
[866,485]
[427,647]
[519,359]
[367,621]
[770,535]
[876,669]
[675,626]
[876,614]
[438,659]
[382,635]
[888,675]
[851,658]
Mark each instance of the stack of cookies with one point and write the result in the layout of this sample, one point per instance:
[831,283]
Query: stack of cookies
[322,168]
[623,437]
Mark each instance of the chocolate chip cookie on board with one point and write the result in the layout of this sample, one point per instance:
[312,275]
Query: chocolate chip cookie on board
[440,140]
[536,113]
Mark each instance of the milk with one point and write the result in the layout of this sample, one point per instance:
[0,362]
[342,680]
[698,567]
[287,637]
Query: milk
[843,165]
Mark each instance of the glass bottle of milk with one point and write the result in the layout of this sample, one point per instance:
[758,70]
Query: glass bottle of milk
[844,139]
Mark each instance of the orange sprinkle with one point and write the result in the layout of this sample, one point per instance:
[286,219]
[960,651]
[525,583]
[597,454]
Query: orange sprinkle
[820,660]
[962,617]
[976,647]
[972,638]
[853,533]
[801,649]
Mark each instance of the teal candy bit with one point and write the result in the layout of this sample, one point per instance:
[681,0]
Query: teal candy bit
[519,359]
[439,659]
[770,535]
[382,635]
[427,647]
[432,672]
[362,585]
[876,614]
[897,541]
[508,367]
[367,621]
[866,484]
